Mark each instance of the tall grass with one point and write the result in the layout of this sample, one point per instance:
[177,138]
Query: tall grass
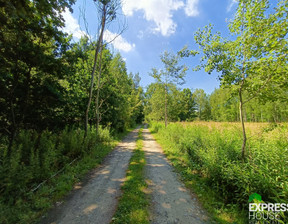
[43,167]
[212,151]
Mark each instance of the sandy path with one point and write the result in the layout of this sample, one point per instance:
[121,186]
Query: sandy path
[171,201]
[96,201]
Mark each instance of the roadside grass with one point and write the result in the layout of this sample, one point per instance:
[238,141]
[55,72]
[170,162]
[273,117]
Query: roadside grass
[208,158]
[219,211]
[31,205]
[133,204]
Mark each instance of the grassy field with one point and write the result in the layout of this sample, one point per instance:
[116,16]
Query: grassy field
[208,156]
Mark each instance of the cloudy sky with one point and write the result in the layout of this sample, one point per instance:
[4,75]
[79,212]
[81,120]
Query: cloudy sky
[154,26]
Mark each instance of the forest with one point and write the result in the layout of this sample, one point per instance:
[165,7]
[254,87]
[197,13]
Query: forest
[65,105]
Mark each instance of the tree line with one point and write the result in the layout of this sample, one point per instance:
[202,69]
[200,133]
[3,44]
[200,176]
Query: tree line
[221,105]
[45,78]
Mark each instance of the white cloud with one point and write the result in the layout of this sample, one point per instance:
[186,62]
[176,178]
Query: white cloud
[231,4]
[191,8]
[157,11]
[118,41]
[72,25]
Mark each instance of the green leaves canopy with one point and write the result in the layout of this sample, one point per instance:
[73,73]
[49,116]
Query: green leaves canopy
[256,51]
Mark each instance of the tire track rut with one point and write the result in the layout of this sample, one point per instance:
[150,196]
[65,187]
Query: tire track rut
[171,201]
[97,200]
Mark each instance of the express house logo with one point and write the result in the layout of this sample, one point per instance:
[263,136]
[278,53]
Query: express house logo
[261,212]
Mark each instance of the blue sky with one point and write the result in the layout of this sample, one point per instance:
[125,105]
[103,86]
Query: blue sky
[154,26]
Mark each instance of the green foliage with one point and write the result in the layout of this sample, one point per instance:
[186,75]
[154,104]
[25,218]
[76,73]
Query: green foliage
[32,62]
[202,104]
[252,58]
[214,155]
[167,79]
[224,107]
[120,108]
[133,204]
[44,81]
[180,103]
[220,105]
[38,157]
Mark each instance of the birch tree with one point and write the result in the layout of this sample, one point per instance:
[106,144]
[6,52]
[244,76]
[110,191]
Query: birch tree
[254,58]
[107,10]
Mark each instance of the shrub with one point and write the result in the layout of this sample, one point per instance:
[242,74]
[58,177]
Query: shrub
[35,157]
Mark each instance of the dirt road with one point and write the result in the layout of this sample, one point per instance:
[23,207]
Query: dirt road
[96,202]
[171,201]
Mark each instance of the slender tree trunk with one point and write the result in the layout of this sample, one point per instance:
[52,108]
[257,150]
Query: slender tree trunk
[261,116]
[98,45]
[165,105]
[241,103]
[98,92]
[242,123]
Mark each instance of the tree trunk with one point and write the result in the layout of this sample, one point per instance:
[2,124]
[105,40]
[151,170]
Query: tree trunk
[98,45]
[241,103]
[98,92]
[242,123]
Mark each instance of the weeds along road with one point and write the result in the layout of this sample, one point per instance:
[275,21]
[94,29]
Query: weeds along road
[171,202]
[96,201]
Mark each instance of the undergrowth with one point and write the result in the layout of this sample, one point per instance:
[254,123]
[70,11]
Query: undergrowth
[133,204]
[209,161]
[44,167]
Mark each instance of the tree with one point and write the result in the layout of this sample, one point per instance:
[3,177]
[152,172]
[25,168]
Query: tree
[187,105]
[32,60]
[224,105]
[202,104]
[81,56]
[120,102]
[136,100]
[255,61]
[172,74]
[180,103]
[154,103]
[107,9]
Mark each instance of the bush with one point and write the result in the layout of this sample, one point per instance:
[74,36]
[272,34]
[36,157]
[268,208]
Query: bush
[35,158]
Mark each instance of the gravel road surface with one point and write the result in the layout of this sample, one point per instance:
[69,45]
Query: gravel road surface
[96,201]
[171,201]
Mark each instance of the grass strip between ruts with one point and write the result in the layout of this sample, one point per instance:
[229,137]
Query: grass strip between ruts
[133,204]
